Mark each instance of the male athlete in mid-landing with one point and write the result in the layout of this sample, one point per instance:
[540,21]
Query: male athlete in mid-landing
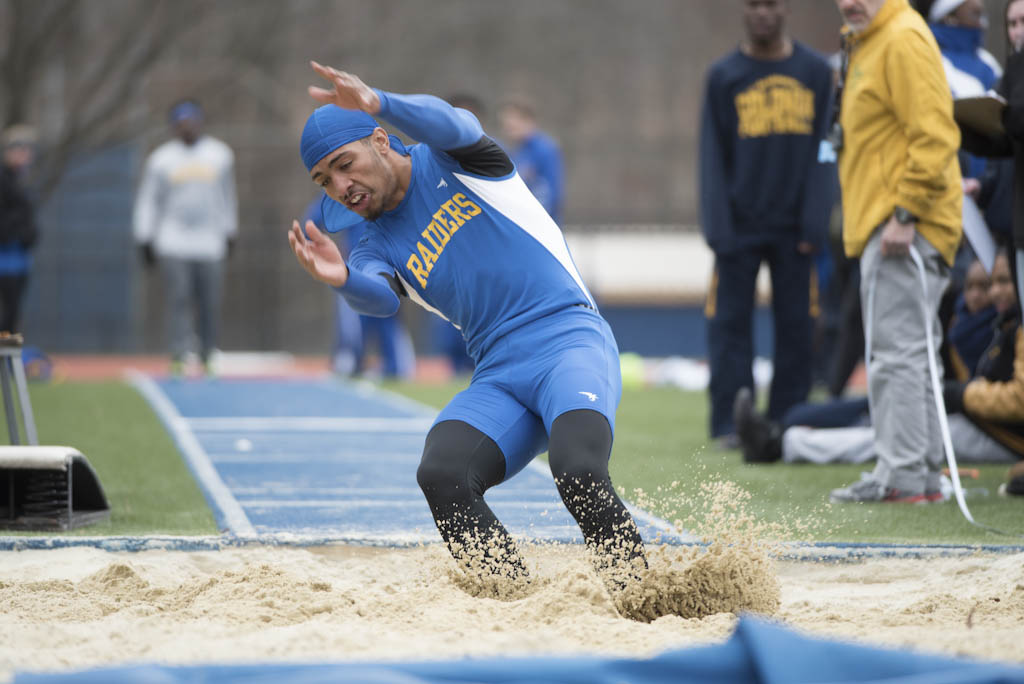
[450,224]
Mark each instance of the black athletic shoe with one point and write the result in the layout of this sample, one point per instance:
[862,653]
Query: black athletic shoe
[1014,485]
[760,438]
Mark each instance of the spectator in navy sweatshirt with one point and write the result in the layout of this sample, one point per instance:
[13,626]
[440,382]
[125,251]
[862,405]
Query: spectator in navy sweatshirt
[766,189]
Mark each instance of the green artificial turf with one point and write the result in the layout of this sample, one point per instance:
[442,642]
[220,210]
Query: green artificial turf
[661,438]
[148,486]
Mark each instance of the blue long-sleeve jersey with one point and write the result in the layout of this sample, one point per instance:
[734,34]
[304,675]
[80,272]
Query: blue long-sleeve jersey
[468,240]
[761,127]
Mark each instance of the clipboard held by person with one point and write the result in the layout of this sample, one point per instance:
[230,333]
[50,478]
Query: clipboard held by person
[982,114]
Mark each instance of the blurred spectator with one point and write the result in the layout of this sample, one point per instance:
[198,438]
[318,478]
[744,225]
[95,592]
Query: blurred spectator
[18,231]
[355,334]
[186,219]
[995,192]
[535,154]
[902,197]
[470,103]
[1014,20]
[839,330]
[971,71]
[971,327]
[969,335]
[764,197]
[848,349]
[1011,88]
[986,417]
[959,27]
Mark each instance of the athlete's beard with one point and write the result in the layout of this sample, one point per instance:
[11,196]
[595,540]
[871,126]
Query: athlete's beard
[389,186]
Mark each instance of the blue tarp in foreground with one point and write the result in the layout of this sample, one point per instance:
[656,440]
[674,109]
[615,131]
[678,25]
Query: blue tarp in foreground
[758,651]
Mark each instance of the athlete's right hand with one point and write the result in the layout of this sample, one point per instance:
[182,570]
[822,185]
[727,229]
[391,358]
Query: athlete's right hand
[347,90]
[318,254]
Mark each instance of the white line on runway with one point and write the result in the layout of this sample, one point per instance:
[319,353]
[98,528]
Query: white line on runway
[330,457]
[218,492]
[308,424]
[369,503]
[413,492]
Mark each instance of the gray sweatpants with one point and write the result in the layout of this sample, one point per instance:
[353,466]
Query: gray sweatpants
[908,444]
[192,283]
[857,444]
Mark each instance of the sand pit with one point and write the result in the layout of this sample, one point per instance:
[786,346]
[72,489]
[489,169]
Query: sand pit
[81,607]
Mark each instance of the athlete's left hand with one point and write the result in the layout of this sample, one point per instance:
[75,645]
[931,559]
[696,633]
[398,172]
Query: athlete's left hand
[348,90]
[318,254]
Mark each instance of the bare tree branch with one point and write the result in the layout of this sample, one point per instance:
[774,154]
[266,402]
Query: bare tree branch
[99,97]
[36,27]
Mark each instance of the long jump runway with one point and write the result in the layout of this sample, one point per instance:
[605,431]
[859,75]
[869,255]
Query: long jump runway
[320,461]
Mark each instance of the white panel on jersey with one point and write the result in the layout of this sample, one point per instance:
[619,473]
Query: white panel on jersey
[415,296]
[513,199]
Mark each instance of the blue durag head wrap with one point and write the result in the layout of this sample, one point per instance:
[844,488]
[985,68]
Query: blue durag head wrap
[328,128]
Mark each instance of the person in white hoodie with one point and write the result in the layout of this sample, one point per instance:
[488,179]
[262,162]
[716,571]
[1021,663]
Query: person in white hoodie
[186,220]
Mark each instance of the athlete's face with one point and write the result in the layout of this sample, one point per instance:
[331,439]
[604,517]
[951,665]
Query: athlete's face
[858,13]
[358,176]
[1002,292]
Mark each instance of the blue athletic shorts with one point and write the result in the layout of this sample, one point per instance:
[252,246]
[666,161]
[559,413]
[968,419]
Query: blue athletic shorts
[535,374]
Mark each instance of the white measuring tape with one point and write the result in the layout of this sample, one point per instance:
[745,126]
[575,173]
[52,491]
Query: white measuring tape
[940,404]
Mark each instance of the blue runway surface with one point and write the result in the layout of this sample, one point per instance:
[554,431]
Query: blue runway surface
[325,460]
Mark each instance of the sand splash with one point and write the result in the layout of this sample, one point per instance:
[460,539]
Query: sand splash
[81,607]
[84,607]
[732,571]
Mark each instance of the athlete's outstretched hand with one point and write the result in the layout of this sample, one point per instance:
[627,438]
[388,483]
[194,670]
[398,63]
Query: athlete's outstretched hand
[347,90]
[318,254]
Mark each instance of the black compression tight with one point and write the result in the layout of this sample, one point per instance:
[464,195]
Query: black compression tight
[578,451]
[460,463]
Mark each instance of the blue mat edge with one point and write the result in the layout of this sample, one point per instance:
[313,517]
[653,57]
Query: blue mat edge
[806,551]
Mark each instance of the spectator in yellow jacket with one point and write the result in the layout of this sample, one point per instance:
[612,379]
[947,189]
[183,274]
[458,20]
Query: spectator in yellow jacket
[897,144]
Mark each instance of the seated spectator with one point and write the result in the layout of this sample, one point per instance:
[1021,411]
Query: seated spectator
[1014,485]
[968,336]
[970,331]
[986,415]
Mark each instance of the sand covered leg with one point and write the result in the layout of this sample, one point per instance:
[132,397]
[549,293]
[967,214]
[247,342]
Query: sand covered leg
[579,448]
[459,464]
